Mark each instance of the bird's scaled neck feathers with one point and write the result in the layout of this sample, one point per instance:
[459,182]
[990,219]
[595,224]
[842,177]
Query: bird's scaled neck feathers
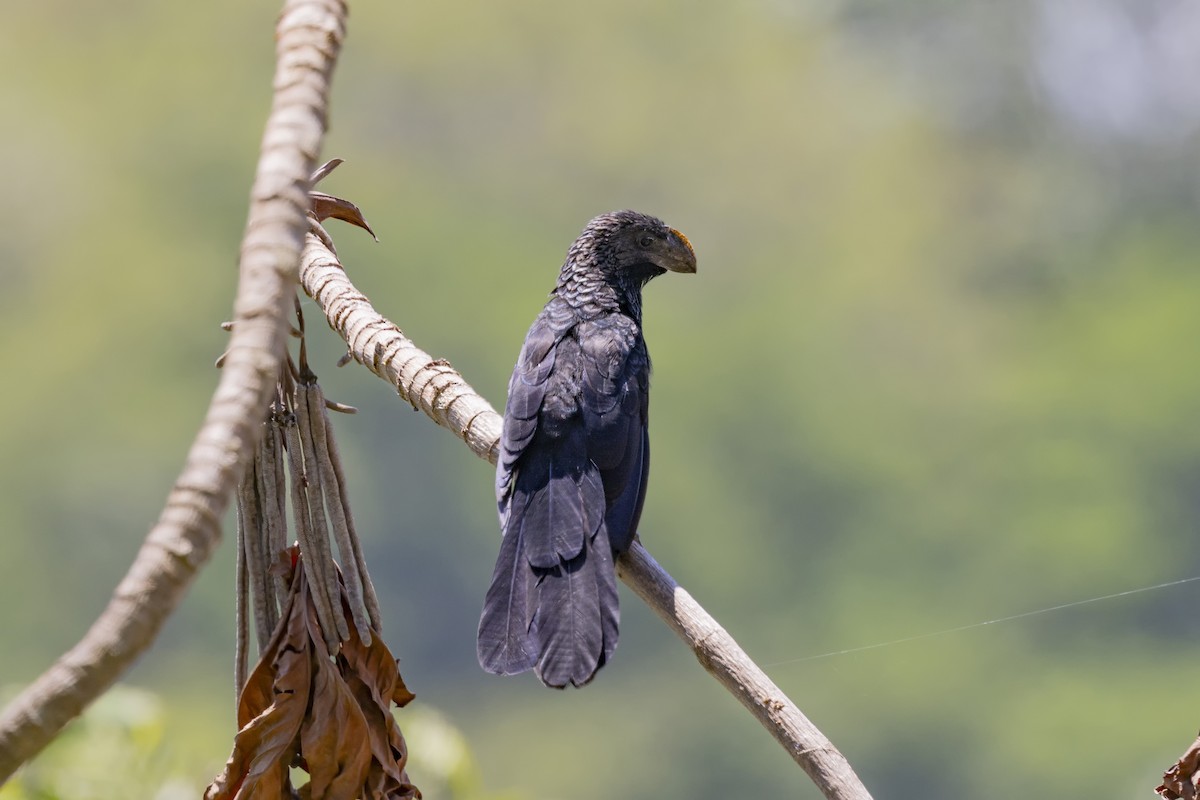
[593,290]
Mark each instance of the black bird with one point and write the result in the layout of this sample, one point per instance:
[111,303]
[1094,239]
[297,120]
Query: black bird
[574,456]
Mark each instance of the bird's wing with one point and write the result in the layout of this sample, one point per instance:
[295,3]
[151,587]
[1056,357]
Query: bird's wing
[615,405]
[526,393]
[504,643]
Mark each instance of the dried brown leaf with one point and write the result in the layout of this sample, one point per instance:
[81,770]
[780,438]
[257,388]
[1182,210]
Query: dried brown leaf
[270,712]
[376,665]
[375,681]
[372,674]
[326,206]
[1180,782]
[333,737]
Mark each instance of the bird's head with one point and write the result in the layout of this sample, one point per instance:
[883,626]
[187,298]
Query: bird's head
[632,247]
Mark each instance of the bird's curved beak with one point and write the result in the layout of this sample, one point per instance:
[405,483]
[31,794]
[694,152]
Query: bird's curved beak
[682,258]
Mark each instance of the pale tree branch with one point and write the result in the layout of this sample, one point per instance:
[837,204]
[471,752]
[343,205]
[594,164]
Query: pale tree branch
[437,389]
[421,380]
[309,36]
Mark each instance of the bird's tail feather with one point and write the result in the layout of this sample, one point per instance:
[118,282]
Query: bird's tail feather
[504,646]
[561,621]
[575,626]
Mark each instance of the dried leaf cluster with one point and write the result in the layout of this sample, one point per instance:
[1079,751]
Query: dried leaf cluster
[326,712]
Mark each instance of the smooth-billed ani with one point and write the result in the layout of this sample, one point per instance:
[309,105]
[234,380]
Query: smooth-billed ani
[574,456]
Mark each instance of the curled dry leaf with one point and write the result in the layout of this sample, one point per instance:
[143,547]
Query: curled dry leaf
[1180,782]
[330,716]
[325,206]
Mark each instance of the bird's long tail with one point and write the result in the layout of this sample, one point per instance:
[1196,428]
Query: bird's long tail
[552,605]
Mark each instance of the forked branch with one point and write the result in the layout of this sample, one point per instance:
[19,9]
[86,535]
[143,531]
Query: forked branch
[437,389]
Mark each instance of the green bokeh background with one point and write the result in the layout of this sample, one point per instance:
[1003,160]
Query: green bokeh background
[937,367]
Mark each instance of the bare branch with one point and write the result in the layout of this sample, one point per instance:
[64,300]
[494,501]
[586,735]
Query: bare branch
[423,381]
[308,39]
[437,389]
[725,660]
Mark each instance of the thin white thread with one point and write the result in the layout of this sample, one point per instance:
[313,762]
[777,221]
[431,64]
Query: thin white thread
[920,636]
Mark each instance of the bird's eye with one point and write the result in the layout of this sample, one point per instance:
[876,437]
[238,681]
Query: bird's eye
[646,241]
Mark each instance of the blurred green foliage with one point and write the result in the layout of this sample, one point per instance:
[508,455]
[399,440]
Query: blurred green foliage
[936,368]
[123,746]
[116,749]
